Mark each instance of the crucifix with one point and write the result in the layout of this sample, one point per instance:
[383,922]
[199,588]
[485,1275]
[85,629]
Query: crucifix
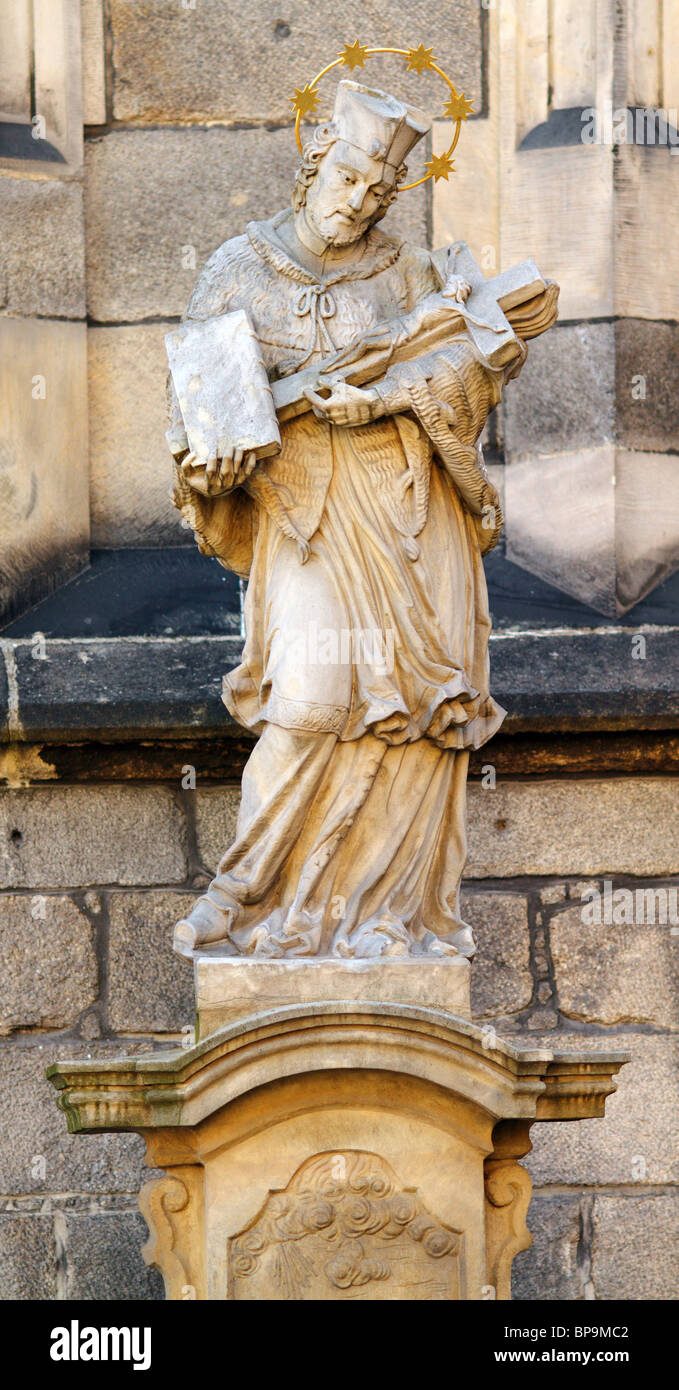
[485,314]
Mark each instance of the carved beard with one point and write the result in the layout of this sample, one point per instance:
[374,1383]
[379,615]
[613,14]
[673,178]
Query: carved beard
[342,235]
[345,236]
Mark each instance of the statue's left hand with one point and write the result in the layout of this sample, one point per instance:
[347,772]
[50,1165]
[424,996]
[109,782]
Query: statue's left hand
[347,405]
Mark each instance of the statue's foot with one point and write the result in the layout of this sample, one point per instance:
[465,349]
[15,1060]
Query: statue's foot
[204,925]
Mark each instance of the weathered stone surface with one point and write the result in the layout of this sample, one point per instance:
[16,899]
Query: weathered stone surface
[130,463]
[104,1259]
[230,988]
[56,83]
[647,384]
[143,686]
[626,542]
[550,1269]
[216,813]
[637,1140]
[551,534]
[500,191]
[636,1247]
[553,893]
[615,201]
[150,989]
[565,396]
[88,686]
[27,1257]
[15,59]
[621,825]
[141,265]
[647,523]
[242,62]
[222,387]
[35,1130]
[558,681]
[44,524]
[43,242]
[615,974]
[501,978]
[93,61]
[646,263]
[58,837]
[48,967]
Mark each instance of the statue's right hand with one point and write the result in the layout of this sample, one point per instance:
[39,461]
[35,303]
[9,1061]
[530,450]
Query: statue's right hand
[196,473]
[236,465]
[214,476]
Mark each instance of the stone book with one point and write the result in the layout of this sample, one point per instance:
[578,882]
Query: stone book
[222,387]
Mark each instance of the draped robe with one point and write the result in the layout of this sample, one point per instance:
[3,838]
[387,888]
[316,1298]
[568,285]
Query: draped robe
[365,669]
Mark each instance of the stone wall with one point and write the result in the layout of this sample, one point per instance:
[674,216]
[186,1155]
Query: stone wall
[45,524]
[95,877]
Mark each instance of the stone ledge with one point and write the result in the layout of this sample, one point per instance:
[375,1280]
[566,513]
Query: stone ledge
[182,1087]
[219,758]
[148,687]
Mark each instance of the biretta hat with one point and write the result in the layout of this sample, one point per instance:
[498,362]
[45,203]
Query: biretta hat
[378,124]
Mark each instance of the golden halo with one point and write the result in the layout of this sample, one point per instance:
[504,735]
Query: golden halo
[417,60]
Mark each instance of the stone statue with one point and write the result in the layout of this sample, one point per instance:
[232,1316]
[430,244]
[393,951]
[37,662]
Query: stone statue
[329,387]
[340,1129]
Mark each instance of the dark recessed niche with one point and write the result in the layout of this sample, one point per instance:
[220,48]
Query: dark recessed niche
[179,593]
[17,142]
[140,593]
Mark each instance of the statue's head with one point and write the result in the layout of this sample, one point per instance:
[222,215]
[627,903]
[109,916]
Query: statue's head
[352,168]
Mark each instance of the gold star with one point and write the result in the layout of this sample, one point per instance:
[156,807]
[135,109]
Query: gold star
[440,166]
[419,58]
[458,108]
[305,100]
[354,55]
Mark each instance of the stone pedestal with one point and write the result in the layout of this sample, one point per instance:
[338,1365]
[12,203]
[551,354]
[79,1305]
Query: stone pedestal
[229,988]
[337,1148]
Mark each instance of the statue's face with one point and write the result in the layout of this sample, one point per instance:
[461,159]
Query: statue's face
[346,194]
